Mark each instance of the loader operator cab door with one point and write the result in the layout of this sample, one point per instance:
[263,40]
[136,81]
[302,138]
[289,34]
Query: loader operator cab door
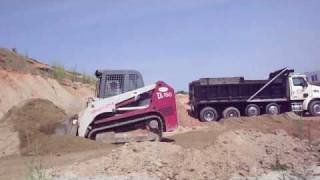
[299,87]
[115,82]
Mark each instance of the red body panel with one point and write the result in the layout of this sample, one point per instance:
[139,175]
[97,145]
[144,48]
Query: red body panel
[163,102]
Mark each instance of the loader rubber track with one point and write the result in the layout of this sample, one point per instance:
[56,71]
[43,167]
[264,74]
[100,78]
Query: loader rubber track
[103,128]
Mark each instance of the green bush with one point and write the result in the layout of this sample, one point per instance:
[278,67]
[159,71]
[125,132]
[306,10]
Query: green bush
[58,71]
[181,92]
[87,79]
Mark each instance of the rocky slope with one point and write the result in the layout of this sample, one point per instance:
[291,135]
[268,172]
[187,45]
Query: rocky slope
[23,78]
[17,87]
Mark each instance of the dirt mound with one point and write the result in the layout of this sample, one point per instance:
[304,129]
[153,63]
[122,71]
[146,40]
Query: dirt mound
[35,121]
[296,126]
[241,147]
[305,128]
[253,153]
[301,127]
[9,142]
[35,115]
[34,118]
[234,153]
[18,87]
[185,121]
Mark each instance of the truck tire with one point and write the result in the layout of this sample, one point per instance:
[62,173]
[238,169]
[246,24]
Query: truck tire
[231,112]
[314,108]
[208,114]
[273,109]
[252,110]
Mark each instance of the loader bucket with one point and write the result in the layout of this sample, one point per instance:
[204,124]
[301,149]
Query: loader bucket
[66,127]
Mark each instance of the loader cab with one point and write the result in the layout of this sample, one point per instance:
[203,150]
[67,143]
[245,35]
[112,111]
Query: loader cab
[115,82]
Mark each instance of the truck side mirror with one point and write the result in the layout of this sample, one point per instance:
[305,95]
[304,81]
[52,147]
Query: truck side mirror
[305,84]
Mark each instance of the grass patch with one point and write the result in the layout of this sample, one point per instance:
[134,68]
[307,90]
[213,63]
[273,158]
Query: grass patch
[58,71]
[35,170]
[277,166]
[35,167]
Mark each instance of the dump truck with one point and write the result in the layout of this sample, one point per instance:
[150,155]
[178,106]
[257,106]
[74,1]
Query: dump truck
[123,103]
[214,98]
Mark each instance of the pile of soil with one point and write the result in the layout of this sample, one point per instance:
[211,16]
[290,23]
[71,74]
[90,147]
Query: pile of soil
[300,127]
[233,154]
[305,128]
[245,147]
[294,125]
[17,88]
[35,120]
[9,141]
[185,120]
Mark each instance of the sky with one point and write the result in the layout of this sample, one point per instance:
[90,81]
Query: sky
[176,41]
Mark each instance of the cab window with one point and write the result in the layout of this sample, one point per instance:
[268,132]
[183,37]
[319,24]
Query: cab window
[298,82]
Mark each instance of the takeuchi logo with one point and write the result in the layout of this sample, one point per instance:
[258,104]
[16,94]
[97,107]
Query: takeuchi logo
[163,89]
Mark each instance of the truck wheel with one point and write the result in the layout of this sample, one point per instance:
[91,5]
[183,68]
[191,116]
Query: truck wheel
[314,108]
[231,112]
[252,110]
[273,109]
[208,114]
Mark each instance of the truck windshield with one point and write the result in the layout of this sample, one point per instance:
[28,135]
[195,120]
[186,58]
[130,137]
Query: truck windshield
[299,81]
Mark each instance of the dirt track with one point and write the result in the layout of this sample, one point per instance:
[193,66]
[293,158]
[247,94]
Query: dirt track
[233,147]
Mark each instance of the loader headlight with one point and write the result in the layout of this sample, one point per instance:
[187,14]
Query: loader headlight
[74,119]
[75,122]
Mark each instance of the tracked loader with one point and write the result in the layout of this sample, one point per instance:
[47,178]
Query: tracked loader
[124,104]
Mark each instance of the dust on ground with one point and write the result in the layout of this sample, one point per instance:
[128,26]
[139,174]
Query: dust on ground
[202,133]
[236,153]
[241,147]
[232,148]
[305,128]
[35,121]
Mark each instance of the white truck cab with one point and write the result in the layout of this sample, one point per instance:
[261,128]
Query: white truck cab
[304,95]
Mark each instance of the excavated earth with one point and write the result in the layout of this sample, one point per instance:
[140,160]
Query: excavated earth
[234,153]
[264,147]
[33,124]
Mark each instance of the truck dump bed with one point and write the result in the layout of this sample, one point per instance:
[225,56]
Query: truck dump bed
[238,89]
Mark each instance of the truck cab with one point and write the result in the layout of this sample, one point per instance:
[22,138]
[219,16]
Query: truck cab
[305,94]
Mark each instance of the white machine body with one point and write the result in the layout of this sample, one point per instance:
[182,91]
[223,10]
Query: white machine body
[98,106]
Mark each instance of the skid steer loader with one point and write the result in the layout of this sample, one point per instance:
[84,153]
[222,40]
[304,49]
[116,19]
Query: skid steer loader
[124,104]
